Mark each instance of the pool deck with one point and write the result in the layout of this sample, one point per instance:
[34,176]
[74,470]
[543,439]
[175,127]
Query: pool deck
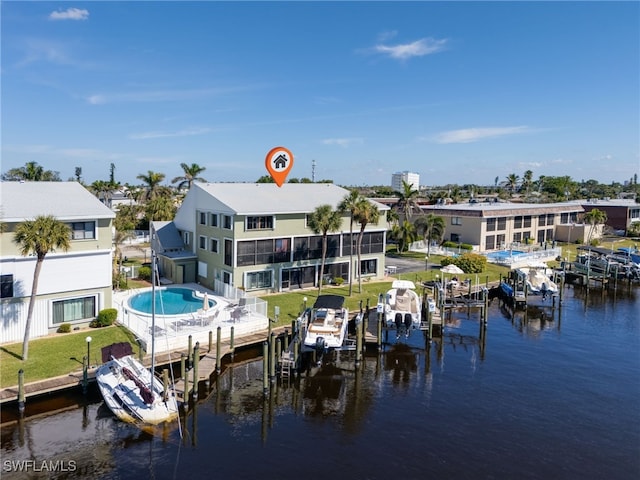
[173,331]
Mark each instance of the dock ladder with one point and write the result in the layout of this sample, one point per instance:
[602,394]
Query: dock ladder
[286,363]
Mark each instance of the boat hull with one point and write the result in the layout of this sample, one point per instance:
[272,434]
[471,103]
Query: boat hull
[125,385]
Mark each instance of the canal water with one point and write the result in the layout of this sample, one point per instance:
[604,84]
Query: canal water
[549,394]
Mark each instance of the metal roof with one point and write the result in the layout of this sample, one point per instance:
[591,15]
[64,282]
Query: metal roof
[21,201]
[259,198]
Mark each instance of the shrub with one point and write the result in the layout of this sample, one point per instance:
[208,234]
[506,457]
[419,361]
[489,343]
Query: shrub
[144,273]
[462,246]
[64,328]
[338,281]
[471,262]
[105,317]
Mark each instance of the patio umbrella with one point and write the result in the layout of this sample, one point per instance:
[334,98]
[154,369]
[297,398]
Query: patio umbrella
[205,302]
[451,268]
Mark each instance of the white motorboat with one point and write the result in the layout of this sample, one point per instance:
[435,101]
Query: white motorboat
[327,323]
[537,279]
[128,390]
[403,306]
[131,391]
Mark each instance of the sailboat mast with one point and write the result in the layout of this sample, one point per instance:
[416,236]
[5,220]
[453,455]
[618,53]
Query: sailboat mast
[153,316]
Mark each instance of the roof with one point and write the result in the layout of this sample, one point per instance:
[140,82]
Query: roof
[64,200]
[334,302]
[260,198]
[495,209]
[168,235]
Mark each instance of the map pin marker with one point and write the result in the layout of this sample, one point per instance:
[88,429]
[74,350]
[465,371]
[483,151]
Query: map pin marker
[279,162]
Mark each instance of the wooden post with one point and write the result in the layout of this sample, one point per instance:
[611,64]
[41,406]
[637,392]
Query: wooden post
[296,350]
[183,369]
[379,331]
[359,340]
[265,367]
[218,348]
[85,377]
[272,356]
[189,351]
[196,359]
[231,342]
[286,340]
[21,391]
[210,341]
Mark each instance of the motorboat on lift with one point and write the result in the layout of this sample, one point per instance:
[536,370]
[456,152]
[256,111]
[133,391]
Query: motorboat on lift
[326,323]
[536,277]
[403,306]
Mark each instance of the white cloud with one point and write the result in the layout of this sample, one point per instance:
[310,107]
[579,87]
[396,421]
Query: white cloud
[69,14]
[180,133]
[470,135]
[168,95]
[419,48]
[343,142]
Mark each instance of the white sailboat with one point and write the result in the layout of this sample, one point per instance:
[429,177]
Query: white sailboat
[131,391]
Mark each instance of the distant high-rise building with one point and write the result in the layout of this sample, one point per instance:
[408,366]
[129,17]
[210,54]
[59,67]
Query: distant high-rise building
[411,178]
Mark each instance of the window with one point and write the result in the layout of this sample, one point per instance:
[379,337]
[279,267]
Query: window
[490,242]
[203,218]
[542,220]
[527,221]
[502,223]
[264,222]
[260,252]
[255,280]
[456,220]
[228,253]
[226,222]
[517,237]
[550,219]
[213,219]
[202,242]
[186,238]
[74,309]
[517,222]
[213,245]
[6,286]
[500,240]
[455,237]
[491,224]
[369,267]
[372,242]
[82,230]
[308,248]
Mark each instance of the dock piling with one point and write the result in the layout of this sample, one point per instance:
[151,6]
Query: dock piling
[196,359]
[21,391]
[218,349]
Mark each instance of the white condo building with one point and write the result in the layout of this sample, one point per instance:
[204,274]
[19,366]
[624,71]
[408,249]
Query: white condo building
[411,178]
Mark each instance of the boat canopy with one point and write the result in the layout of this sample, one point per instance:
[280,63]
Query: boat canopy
[334,302]
[116,350]
[403,285]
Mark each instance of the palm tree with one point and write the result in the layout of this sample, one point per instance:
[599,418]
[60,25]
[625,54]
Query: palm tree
[594,217]
[407,200]
[31,172]
[432,227]
[322,221]
[39,236]
[350,204]
[527,182]
[512,182]
[152,186]
[365,213]
[191,174]
[404,234]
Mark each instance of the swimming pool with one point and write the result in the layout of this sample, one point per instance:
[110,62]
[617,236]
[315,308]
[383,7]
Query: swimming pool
[504,254]
[169,301]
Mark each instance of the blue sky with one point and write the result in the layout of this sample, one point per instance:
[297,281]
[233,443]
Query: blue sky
[458,92]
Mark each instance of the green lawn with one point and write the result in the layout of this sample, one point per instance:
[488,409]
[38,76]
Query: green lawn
[58,354]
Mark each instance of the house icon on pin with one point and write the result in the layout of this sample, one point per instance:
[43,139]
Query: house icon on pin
[280,162]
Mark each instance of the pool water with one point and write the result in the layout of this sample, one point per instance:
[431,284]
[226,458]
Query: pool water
[169,301]
[504,254]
